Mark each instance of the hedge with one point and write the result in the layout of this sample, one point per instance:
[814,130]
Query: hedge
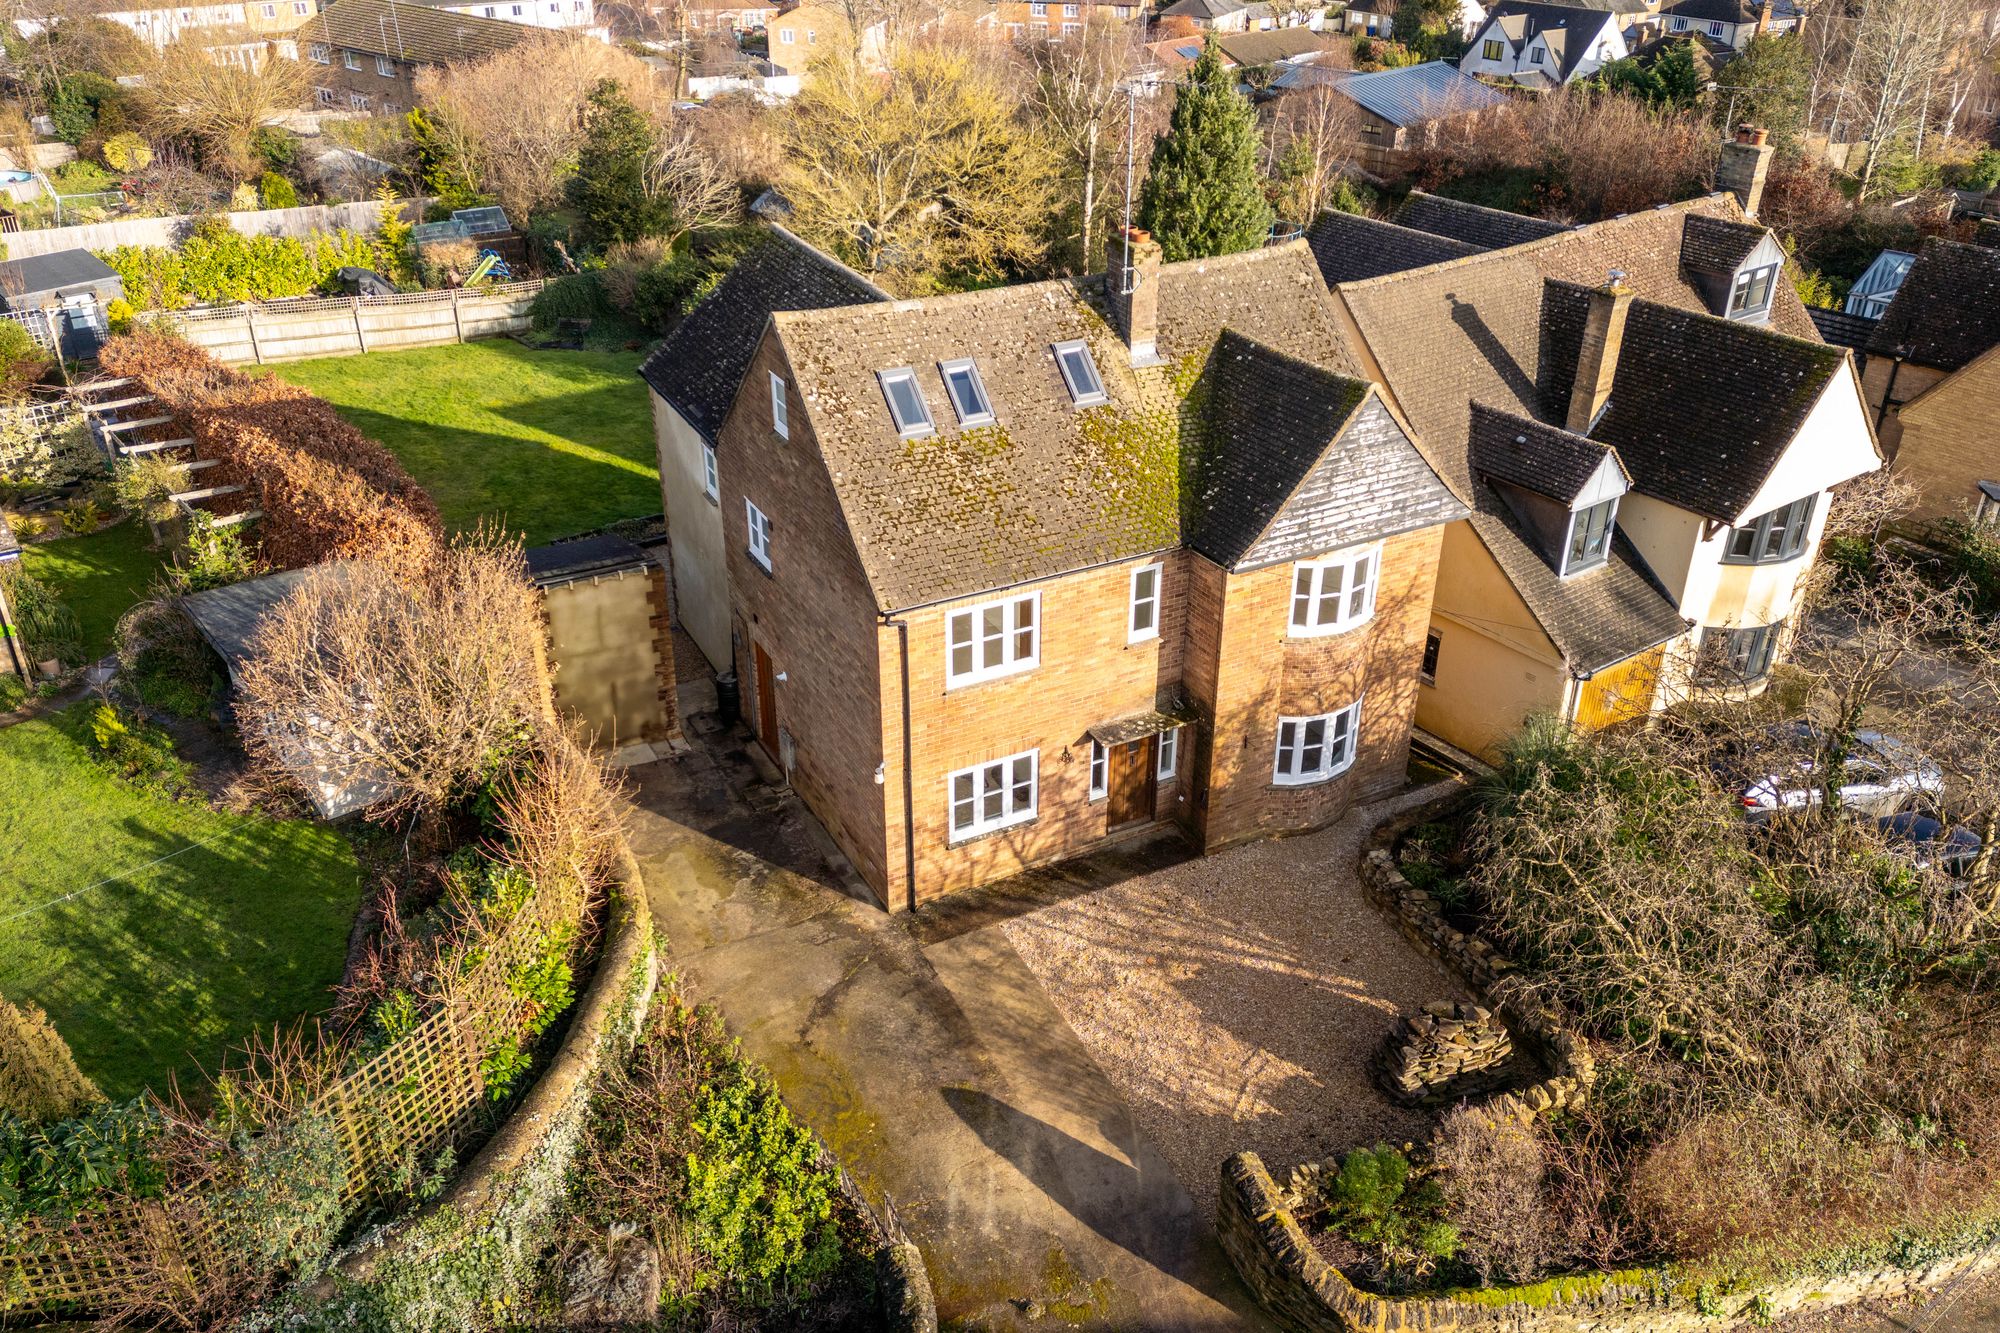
[219,263]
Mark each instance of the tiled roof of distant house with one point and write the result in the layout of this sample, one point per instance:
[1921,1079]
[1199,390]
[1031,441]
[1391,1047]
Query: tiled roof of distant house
[1266,48]
[1350,247]
[412,32]
[1948,309]
[1487,228]
[1564,28]
[1841,329]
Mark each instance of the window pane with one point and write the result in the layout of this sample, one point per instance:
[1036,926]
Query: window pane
[993,790]
[1357,597]
[1024,785]
[1743,542]
[992,636]
[1331,580]
[1288,735]
[1313,757]
[1302,585]
[1024,629]
[961,659]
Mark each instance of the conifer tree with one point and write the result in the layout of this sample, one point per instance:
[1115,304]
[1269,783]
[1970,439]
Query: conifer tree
[1204,196]
[609,187]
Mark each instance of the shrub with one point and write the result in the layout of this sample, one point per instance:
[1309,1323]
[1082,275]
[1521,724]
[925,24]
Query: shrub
[81,516]
[219,263]
[574,296]
[164,660]
[144,484]
[274,191]
[211,557]
[758,1201]
[126,152]
[138,752]
[41,455]
[1967,555]
[1490,1179]
[1373,1202]
[49,630]
[119,315]
[74,1166]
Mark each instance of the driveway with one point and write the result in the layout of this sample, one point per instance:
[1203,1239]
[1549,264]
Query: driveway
[930,1056]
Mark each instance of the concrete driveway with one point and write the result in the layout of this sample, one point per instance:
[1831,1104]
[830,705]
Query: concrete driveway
[932,1058]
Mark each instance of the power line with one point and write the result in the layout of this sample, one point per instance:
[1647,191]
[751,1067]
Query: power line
[112,879]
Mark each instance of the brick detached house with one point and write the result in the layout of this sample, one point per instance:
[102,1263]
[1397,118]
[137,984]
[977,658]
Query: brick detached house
[692,378]
[1644,425]
[1933,379]
[1019,571]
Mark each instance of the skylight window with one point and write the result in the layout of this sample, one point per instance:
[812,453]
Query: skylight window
[968,394]
[906,402]
[1079,372]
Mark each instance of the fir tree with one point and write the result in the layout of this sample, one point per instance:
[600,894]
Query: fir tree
[609,187]
[1204,196]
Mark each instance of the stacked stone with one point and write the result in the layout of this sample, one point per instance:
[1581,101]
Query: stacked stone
[1445,1052]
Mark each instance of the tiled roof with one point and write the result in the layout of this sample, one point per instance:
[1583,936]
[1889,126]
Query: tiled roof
[1487,228]
[1201,9]
[1701,409]
[1557,24]
[1716,245]
[699,365]
[1726,11]
[412,32]
[1047,488]
[1987,233]
[1264,48]
[1538,457]
[1349,247]
[1841,329]
[1270,421]
[1948,309]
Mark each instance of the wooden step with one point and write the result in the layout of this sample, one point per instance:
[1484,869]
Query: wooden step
[196,464]
[154,446]
[134,425]
[117,403]
[207,493]
[240,516]
[95,385]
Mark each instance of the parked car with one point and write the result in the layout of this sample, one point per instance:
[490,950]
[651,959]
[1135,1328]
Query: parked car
[1931,842]
[1883,775]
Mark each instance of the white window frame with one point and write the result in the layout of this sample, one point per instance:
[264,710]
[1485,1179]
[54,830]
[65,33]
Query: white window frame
[908,430]
[1012,809]
[786,36]
[1297,748]
[351,60]
[1168,750]
[982,414]
[1347,617]
[979,632]
[384,67]
[1100,770]
[758,534]
[1575,562]
[1740,290]
[320,53]
[1083,395]
[711,475]
[781,417]
[1134,632]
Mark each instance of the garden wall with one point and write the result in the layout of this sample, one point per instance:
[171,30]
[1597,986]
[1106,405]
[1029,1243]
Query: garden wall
[363,216]
[254,333]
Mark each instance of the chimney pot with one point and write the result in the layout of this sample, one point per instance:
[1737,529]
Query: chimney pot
[1133,289]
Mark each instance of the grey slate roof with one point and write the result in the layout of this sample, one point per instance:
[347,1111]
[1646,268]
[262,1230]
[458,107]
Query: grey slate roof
[1413,95]
[228,617]
[1487,228]
[581,557]
[1201,9]
[698,367]
[1547,460]
[1718,246]
[1048,488]
[1840,329]
[44,275]
[1948,309]
[1285,437]
[1701,407]
[1727,11]
[1566,29]
[1349,247]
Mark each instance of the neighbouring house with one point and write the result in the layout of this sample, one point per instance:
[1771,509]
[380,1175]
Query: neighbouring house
[1018,20]
[1220,15]
[1646,431]
[1398,107]
[1377,18]
[365,54]
[73,286]
[1872,292]
[243,33]
[800,36]
[1933,380]
[1545,45]
[693,377]
[726,15]
[1022,571]
[1249,51]
[1732,22]
[576,15]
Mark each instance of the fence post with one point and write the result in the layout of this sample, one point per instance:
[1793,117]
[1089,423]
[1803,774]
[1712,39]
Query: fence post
[250,323]
[359,335]
[456,326]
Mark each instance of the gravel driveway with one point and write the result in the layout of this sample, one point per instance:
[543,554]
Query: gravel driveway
[1234,1000]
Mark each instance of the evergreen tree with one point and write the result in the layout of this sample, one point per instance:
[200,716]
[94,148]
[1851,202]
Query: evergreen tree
[1204,196]
[609,187]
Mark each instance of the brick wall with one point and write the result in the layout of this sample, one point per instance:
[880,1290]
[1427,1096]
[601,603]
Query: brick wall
[814,614]
[1910,380]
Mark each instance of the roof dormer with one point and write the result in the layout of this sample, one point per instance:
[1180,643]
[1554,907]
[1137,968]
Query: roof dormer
[1735,265]
[1563,488]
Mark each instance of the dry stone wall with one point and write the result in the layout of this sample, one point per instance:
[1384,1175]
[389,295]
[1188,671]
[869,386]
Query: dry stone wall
[1445,1052]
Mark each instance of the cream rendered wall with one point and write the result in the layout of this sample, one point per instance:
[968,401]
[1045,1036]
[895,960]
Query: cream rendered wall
[1495,664]
[694,535]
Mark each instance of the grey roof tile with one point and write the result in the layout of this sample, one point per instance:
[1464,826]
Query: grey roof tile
[1349,247]
[1547,460]
[1487,228]
[1948,309]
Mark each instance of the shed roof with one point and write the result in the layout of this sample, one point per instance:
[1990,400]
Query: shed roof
[581,557]
[1413,95]
[35,275]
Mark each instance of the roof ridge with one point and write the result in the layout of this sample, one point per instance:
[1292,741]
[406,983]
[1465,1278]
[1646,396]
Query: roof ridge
[937,300]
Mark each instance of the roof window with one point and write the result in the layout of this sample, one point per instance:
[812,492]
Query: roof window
[1079,372]
[968,394]
[906,402]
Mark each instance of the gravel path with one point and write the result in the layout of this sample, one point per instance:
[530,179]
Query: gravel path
[1235,999]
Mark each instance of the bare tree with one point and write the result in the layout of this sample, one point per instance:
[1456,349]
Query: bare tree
[697,190]
[1081,94]
[220,107]
[1315,143]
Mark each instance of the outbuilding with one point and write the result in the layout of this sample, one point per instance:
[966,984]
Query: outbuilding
[76,282]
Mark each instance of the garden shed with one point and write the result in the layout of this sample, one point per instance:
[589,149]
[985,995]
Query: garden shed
[76,282]
[605,602]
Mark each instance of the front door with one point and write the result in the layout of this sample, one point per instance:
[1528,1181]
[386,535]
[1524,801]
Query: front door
[767,701]
[1131,782]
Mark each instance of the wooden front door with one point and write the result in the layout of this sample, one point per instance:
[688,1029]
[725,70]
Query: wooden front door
[1131,782]
[767,701]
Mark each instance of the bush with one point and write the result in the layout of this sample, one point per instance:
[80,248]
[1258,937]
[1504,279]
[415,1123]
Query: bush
[73,1166]
[80,517]
[575,296]
[49,630]
[127,152]
[1490,1179]
[1983,172]
[1373,1202]
[141,754]
[219,263]
[82,177]
[41,456]
[211,557]
[1967,556]
[274,191]
[23,363]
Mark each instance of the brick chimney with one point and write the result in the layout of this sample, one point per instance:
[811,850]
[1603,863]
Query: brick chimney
[1745,163]
[1597,359]
[1133,286]
[1763,18]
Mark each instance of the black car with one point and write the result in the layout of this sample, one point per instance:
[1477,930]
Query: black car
[1930,843]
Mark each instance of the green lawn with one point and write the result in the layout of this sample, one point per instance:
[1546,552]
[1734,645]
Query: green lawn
[100,577]
[552,443]
[148,965]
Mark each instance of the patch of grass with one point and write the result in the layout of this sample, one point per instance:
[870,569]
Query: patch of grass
[548,442]
[99,577]
[188,927]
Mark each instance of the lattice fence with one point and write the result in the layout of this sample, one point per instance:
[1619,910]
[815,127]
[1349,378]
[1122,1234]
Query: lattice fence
[407,1100]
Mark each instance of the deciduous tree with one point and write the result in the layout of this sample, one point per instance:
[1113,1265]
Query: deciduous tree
[219,107]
